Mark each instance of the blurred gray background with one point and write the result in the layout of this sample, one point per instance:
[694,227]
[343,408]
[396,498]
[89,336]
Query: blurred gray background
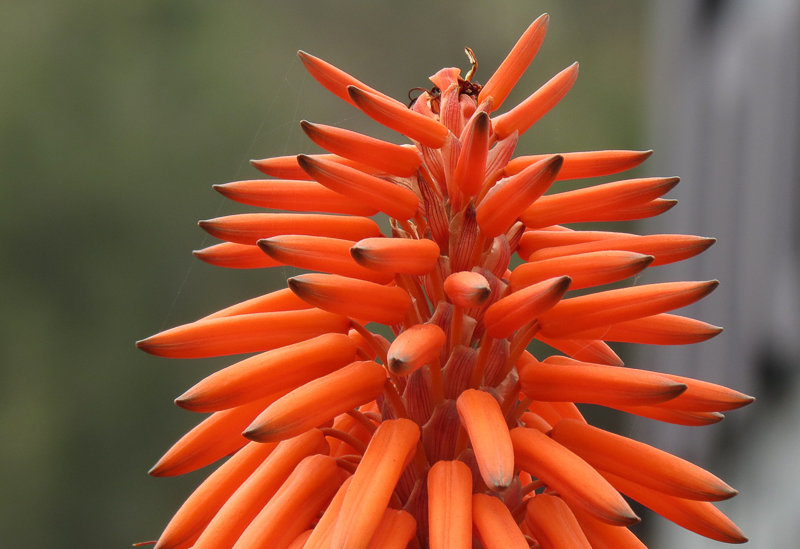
[117,117]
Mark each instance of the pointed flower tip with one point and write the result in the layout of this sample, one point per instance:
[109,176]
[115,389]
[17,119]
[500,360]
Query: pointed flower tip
[555,162]
[158,470]
[258,433]
[184,402]
[147,346]
[297,286]
[189,400]
[644,261]
[266,245]
[562,284]
[482,121]
[355,92]
[305,162]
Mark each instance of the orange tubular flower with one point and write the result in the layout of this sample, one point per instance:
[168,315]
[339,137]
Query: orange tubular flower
[451,434]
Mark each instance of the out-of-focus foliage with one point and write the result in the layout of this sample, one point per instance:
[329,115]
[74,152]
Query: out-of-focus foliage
[115,120]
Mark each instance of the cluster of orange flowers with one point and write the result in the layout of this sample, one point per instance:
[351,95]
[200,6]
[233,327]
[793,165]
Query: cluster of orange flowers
[452,435]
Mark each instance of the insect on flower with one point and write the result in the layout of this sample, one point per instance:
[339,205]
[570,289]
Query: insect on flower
[452,435]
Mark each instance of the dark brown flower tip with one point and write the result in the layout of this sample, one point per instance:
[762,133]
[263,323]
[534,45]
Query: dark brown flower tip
[307,164]
[148,346]
[308,127]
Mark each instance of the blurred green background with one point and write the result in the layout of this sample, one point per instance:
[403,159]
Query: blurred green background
[115,120]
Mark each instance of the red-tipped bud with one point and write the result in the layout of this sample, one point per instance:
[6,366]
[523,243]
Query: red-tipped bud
[353,298]
[467,289]
[415,347]
[514,311]
[387,157]
[397,255]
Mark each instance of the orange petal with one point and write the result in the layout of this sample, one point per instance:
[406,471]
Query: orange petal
[483,420]
[535,421]
[578,165]
[494,524]
[214,438]
[585,270]
[387,455]
[585,350]
[397,255]
[363,344]
[387,157]
[351,427]
[250,228]
[290,512]
[276,371]
[545,410]
[300,541]
[395,530]
[450,505]
[663,329]
[641,211]
[527,113]
[579,314]
[353,298]
[281,300]
[572,477]
[396,116]
[702,396]
[568,410]
[509,198]
[320,537]
[605,536]
[248,333]
[471,166]
[665,248]
[467,289]
[415,347]
[534,240]
[596,384]
[251,497]
[594,203]
[287,167]
[333,79]
[553,524]
[235,256]
[512,312]
[319,401]
[514,65]
[392,199]
[204,503]
[320,253]
[676,417]
[295,196]
[640,463]
[700,517]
